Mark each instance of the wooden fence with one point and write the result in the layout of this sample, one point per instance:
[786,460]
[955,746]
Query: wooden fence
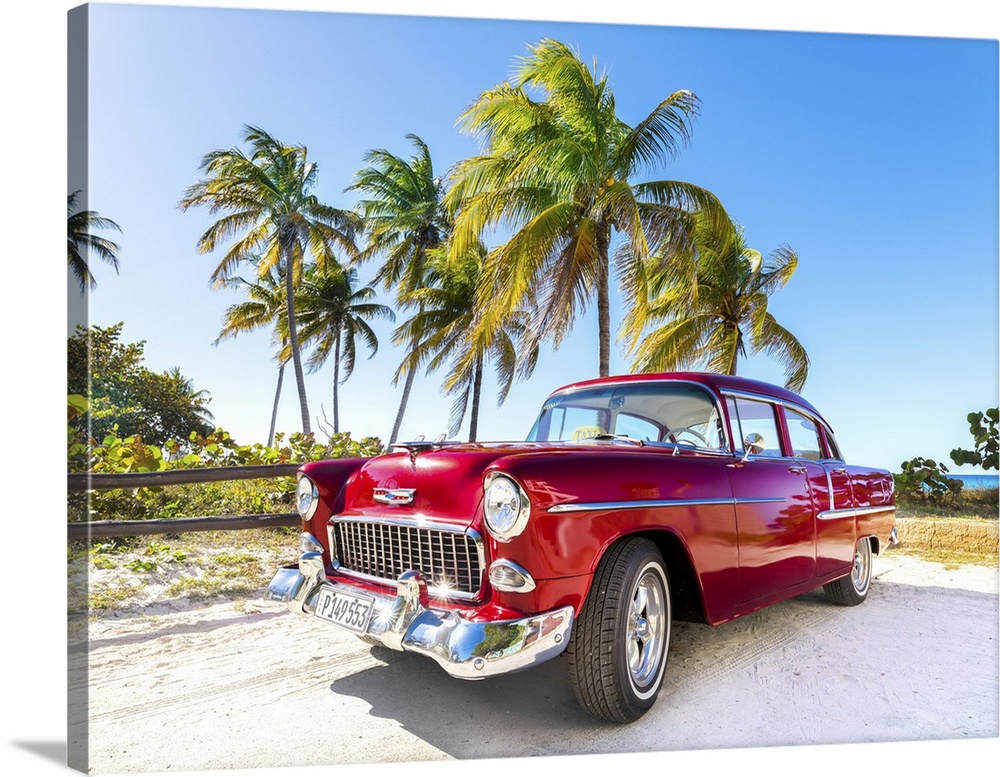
[87,481]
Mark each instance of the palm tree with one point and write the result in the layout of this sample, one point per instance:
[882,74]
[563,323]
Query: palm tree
[264,307]
[443,332]
[334,313]
[559,171]
[82,241]
[404,219]
[723,316]
[269,207]
[194,400]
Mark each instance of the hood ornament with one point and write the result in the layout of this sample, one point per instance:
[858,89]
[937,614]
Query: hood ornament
[394,496]
[421,445]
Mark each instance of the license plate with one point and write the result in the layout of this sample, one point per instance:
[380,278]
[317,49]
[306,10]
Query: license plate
[345,609]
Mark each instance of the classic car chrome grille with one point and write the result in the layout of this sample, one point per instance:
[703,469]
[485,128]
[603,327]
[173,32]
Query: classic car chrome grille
[450,560]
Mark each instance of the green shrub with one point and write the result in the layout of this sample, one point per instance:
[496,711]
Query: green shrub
[115,454]
[925,480]
[983,427]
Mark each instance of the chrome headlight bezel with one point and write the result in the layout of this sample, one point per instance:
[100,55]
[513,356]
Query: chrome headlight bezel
[306,497]
[507,575]
[506,507]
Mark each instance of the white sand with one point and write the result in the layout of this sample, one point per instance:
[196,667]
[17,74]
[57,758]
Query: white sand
[245,684]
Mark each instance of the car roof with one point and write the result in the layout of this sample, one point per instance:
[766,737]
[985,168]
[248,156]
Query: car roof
[711,380]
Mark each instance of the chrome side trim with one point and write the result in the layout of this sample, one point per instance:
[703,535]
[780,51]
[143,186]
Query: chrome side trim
[829,483]
[641,504]
[854,512]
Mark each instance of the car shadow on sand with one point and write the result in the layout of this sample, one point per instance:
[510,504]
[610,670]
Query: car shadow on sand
[536,709]
[768,660]
[462,717]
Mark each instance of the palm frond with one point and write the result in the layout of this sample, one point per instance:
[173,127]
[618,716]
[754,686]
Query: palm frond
[725,303]
[658,138]
[779,343]
[81,241]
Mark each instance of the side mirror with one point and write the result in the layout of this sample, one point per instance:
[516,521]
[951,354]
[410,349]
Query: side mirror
[753,443]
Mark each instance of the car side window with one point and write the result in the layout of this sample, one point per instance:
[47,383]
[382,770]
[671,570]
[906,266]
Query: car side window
[750,417]
[832,448]
[804,435]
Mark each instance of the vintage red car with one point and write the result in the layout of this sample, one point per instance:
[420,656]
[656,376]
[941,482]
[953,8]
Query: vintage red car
[635,501]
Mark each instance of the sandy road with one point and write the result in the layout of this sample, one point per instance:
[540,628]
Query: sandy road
[218,688]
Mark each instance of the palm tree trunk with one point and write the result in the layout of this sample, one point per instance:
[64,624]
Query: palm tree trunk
[603,302]
[293,334]
[407,384]
[477,390]
[737,347]
[336,381]
[274,409]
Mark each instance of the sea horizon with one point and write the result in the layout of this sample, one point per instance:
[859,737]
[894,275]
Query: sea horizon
[976,479]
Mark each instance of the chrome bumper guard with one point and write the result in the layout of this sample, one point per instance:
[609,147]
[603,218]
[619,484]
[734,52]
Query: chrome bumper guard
[470,650]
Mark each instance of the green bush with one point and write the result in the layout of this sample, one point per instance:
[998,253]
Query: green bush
[925,480]
[126,395]
[983,428]
[115,454]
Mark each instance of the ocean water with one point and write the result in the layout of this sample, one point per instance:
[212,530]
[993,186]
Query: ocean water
[977,481]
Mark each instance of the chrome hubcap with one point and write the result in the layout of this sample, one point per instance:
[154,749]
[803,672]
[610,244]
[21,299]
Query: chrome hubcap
[647,628]
[861,573]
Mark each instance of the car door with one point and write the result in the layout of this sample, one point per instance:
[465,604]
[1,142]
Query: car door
[832,493]
[774,505]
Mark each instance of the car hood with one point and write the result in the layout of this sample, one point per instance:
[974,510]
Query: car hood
[446,480]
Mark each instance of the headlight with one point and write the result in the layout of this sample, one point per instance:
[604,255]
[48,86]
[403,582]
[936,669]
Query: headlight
[306,497]
[506,508]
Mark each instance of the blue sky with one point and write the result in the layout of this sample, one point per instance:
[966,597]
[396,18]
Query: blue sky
[872,156]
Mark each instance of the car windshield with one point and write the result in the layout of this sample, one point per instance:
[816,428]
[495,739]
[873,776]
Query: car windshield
[649,412]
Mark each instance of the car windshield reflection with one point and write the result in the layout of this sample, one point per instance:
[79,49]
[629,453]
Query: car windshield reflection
[672,413]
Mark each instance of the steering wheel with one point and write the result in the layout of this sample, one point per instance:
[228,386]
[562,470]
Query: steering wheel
[674,433]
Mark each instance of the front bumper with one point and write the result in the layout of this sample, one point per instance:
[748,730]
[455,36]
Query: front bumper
[470,650]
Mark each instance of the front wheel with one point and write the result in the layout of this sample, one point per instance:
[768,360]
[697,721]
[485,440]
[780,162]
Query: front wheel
[618,652]
[852,589]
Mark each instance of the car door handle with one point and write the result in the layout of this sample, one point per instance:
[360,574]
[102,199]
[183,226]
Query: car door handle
[839,471]
[798,469]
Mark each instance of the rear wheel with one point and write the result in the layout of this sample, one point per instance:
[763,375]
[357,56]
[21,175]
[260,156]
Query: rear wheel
[852,589]
[618,652]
